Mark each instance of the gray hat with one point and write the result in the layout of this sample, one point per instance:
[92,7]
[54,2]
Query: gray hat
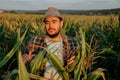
[52,11]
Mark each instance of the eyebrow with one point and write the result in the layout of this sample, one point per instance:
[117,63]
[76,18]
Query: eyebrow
[52,20]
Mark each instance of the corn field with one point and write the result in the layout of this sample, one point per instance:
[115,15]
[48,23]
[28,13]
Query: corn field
[98,36]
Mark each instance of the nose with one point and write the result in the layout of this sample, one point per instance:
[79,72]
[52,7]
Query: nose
[50,25]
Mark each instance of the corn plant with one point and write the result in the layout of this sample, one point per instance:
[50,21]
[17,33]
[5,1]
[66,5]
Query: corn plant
[98,37]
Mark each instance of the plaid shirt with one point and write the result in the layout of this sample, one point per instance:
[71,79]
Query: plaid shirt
[70,46]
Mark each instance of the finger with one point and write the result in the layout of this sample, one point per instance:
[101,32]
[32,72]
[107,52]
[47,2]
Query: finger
[70,62]
[26,58]
[72,58]
[30,54]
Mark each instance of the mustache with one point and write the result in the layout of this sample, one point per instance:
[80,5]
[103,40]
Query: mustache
[53,35]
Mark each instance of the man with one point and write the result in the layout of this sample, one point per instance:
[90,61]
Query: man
[65,47]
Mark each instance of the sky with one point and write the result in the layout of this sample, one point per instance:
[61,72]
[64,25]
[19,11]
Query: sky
[60,4]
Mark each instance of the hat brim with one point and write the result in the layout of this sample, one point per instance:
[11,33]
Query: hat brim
[60,17]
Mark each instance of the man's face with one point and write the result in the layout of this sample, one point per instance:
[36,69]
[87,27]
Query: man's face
[53,26]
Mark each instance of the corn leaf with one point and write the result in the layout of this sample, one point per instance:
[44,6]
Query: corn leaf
[80,70]
[36,77]
[10,74]
[37,62]
[95,75]
[23,74]
[14,49]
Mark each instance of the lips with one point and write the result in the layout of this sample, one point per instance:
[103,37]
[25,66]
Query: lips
[50,30]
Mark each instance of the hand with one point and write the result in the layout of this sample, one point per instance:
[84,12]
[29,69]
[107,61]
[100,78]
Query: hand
[27,57]
[71,61]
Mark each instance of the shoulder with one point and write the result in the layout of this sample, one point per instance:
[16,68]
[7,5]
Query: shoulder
[35,42]
[73,43]
[36,39]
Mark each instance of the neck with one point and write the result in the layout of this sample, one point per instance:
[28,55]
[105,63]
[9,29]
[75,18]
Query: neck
[57,38]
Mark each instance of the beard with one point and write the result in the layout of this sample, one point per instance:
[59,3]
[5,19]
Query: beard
[53,35]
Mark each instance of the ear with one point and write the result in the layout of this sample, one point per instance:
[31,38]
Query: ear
[61,22]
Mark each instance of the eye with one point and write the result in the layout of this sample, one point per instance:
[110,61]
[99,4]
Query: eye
[54,21]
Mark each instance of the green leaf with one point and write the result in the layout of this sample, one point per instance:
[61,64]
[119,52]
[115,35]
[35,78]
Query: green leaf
[80,69]
[23,74]
[10,74]
[14,49]
[95,75]
[37,62]
[36,77]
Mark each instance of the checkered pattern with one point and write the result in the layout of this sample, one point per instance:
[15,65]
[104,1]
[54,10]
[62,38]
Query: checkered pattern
[70,46]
